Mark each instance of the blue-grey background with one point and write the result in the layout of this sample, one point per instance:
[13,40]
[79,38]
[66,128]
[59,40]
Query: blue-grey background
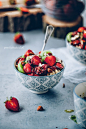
[54,102]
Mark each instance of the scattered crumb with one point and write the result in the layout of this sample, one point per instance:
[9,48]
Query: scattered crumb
[40,108]
[63,85]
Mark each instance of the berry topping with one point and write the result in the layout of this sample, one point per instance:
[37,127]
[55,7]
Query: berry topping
[76,42]
[27,68]
[35,60]
[28,53]
[81,29]
[50,60]
[59,65]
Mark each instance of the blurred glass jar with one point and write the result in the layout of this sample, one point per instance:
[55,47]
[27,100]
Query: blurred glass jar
[66,10]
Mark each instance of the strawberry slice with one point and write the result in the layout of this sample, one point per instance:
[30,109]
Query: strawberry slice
[12,104]
[28,53]
[59,65]
[81,29]
[35,60]
[27,68]
[50,60]
[76,42]
[18,38]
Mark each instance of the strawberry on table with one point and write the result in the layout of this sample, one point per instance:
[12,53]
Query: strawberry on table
[18,38]
[50,60]
[12,104]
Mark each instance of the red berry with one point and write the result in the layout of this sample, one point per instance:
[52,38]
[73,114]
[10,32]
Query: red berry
[12,104]
[35,60]
[50,60]
[28,53]
[81,29]
[59,65]
[18,38]
[76,42]
[27,68]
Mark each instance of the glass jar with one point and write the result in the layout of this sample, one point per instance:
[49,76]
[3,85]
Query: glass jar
[67,10]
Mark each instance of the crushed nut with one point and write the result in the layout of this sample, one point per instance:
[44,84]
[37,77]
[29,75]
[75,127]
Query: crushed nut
[63,85]
[39,108]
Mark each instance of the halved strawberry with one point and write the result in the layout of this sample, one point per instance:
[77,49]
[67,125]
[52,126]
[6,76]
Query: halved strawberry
[59,65]
[18,38]
[28,53]
[27,68]
[35,60]
[12,104]
[50,60]
[81,29]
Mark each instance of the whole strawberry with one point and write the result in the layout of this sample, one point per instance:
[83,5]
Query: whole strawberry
[18,38]
[12,104]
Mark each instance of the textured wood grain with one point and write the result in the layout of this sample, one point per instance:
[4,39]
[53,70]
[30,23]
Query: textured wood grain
[14,21]
[61,27]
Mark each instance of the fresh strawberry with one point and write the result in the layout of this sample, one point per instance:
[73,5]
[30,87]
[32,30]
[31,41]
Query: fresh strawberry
[59,65]
[84,35]
[76,42]
[50,60]
[12,104]
[28,53]
[18,38]
[35,60]
[81,29]
[27,68]
[23,10]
